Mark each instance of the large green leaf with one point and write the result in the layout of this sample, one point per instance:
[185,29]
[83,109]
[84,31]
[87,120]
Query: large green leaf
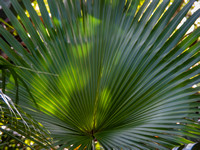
[103,70]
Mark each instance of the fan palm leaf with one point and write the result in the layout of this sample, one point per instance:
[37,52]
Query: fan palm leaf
[107,71]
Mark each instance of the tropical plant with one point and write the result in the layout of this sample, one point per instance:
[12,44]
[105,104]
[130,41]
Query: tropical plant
[17,131]
[103,70]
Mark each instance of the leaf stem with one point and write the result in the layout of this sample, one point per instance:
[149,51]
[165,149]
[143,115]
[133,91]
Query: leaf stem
[93,145]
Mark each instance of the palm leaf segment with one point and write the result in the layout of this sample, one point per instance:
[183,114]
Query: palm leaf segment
[103,70]
[19,126]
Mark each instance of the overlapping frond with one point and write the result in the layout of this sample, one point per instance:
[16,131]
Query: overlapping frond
[16,124]
[104,70]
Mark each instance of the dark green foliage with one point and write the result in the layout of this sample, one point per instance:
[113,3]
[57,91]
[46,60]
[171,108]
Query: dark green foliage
[104,70]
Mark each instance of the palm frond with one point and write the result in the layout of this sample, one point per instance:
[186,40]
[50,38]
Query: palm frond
[18,125]
[103,70]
